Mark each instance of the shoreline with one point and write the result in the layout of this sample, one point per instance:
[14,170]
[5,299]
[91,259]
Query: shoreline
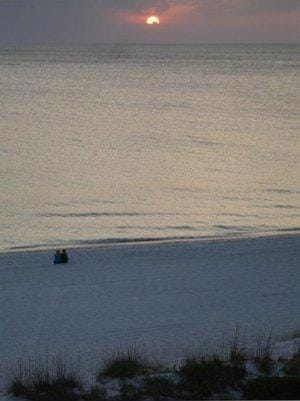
[112,243]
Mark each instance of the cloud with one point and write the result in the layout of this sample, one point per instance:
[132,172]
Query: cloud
[168,12]
[88,21]
[261,6]
[160,5]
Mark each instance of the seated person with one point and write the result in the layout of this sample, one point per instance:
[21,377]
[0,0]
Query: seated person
[64,257]
[57,258]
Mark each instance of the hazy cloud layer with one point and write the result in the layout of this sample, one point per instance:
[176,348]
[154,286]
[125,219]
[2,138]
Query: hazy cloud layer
[85,21]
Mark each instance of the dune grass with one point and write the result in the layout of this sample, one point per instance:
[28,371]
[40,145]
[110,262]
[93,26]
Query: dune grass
[135,378]
[50,381]
[292,366]
[263,356]
[159,386]
[205,376]
[272,388]
[125,365]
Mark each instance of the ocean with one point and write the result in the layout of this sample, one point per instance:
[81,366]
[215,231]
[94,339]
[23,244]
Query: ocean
[112,143]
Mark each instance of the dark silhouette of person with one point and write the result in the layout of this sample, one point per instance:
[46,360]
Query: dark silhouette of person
[57,258]
[64,257]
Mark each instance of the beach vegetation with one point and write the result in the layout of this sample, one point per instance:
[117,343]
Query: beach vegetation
[272,388]
[212,374]
[291,367]
[128,376]
[263,356]
[46,388]
[238,355]
[39,382]
[18,387]
[265,365]
[159,386]
[124,365]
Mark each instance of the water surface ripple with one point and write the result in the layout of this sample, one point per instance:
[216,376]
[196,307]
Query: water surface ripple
[126,142]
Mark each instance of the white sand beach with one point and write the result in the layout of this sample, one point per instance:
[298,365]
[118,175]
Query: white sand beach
[164,298]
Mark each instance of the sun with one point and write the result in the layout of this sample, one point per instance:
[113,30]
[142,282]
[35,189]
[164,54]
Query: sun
[152,20]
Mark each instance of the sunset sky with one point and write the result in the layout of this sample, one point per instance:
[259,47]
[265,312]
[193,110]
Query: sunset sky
[118,21]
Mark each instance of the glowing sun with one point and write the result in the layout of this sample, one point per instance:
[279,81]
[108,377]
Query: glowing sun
[152,20]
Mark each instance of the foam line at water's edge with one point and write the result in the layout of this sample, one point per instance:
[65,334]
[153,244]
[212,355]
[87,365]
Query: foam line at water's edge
[115,242]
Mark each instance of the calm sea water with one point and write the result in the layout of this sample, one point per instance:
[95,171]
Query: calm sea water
[131,142]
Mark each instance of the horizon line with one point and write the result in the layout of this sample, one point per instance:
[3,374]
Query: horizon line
[143,44]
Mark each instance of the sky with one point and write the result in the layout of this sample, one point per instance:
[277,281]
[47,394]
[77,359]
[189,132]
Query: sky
[123,21]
